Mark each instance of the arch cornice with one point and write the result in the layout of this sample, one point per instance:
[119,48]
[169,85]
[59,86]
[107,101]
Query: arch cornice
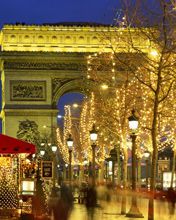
[75,85]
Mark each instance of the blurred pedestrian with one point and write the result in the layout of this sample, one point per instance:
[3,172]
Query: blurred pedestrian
[91,201]
[109,191]
[65,203]
[53,199]
[171,198]
[82,193]
[26,216]
[102,192]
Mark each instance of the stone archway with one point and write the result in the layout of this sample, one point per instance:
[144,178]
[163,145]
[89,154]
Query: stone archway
[75,85]
[40,63]
[33,83]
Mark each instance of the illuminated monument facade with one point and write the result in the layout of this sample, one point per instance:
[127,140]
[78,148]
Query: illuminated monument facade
[41,63]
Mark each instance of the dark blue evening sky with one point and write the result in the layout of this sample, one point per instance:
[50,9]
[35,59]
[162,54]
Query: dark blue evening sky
[50,11]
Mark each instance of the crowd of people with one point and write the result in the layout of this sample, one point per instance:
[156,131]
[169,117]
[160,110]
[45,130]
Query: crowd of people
[62,198]
[61,203]
[91,197]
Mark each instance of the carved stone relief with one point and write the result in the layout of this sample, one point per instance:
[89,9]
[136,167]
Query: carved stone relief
[25,90]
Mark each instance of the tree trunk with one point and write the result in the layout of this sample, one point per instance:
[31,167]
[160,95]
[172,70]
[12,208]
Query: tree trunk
[155,149]
[173,167]
[139,173]
[119,166]
[123,205]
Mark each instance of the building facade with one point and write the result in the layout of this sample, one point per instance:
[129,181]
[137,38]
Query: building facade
[39,64]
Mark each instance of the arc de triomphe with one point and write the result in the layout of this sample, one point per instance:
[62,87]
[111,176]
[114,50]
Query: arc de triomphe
[39,64]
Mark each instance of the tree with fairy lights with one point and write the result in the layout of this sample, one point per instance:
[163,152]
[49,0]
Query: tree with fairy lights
[86,121]
[62,133]
[148,54]
[80,136]
[144,47]
[71,126]
[114,98]
[40,207]
[8,190]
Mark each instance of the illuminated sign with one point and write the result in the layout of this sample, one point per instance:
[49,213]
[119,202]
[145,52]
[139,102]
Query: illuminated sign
[27,187]
[110,167]
[47,169]
[167,176]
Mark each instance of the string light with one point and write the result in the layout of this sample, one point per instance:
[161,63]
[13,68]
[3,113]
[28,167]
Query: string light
[8,189]
[111,109]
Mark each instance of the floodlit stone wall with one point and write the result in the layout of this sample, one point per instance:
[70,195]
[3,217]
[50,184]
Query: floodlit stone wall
[66,38]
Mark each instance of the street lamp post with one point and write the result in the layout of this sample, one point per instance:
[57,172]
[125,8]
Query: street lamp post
[39,161]
[66,172]
[113,158]
[42,153]
[70,146]
[146,156]
[59,172]
[133,125]
[54,149]
[106,170]
[85,163]
[93,138]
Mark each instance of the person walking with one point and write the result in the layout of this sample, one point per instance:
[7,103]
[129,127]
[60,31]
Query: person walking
[53,200]
[171,198]
[91,201]
[65,203]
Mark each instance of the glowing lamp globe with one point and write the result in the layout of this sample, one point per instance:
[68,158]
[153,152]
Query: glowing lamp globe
[146,154]
[133,121]
[54,148]
[70,142]
[42,152]
[93,134]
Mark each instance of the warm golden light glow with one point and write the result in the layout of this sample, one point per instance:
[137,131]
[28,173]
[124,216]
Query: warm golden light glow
[154,53]
[104,86]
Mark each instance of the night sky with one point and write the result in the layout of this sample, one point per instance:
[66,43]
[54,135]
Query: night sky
[51,11]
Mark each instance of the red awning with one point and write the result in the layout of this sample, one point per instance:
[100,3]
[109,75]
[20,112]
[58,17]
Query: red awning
[10,145]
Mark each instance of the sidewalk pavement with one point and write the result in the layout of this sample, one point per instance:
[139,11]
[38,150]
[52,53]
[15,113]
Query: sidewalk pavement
[112,210]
